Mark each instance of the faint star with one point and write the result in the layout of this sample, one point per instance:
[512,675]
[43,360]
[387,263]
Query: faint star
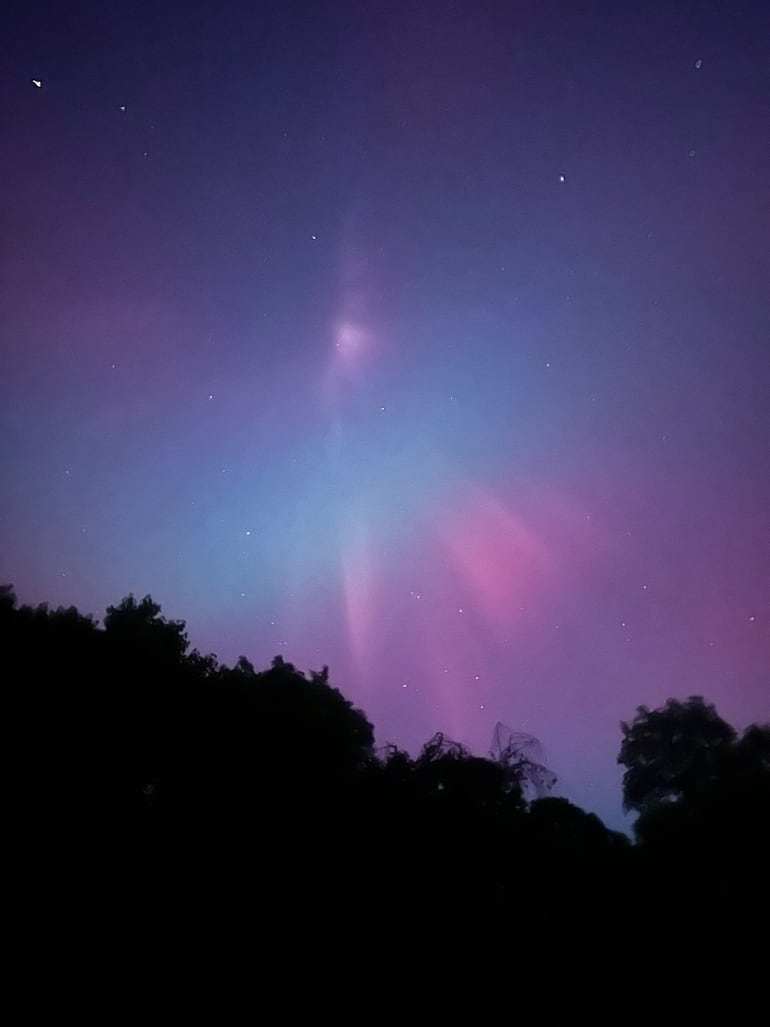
[122,108]
[699,63]
[692,153]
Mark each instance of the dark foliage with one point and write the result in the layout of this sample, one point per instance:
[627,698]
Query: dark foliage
[668,753]
[187,829]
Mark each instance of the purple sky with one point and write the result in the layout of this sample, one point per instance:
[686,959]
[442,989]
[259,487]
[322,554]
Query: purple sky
[427,341]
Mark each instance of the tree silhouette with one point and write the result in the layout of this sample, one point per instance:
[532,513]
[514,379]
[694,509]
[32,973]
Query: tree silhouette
[230,823]
[667,752]
[520,754]
[138,634]
[558,823]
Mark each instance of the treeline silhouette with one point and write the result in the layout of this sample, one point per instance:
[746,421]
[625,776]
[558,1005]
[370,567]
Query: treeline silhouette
[191,832]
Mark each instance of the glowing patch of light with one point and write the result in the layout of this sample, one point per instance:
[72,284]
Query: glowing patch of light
[358,580]
[497,558]
[349,338]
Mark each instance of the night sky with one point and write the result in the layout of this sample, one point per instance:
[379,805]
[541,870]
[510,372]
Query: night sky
[424,340]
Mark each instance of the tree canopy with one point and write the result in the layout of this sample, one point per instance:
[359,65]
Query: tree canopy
[669,751]
[240,825]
